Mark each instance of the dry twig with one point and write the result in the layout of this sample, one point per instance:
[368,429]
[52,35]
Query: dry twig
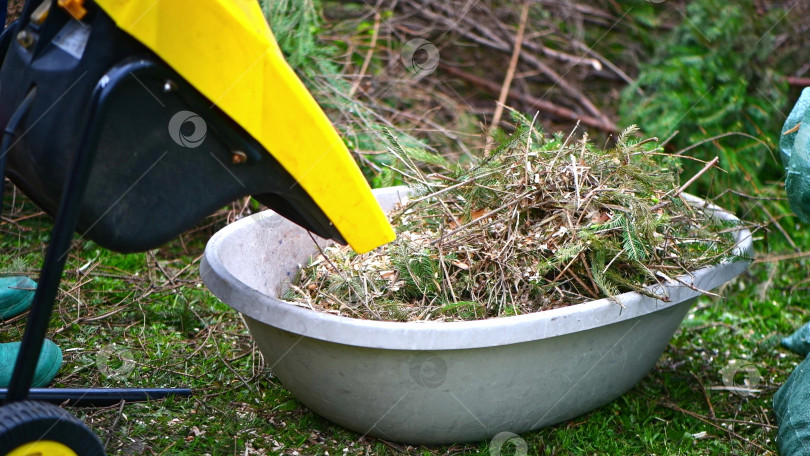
[539,223]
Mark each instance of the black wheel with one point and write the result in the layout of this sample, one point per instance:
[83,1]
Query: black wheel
[29,428]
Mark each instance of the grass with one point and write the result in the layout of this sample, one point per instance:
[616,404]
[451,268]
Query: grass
[145,320]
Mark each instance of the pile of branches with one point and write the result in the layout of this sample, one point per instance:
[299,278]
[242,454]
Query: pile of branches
[538,224]
[569,60]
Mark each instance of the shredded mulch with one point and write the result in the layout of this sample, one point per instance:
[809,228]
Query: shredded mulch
[539,223]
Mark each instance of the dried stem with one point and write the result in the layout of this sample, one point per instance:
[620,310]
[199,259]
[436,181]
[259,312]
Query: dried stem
[539,223]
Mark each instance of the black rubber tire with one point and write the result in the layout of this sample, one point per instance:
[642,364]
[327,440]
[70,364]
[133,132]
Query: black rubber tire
[29,421]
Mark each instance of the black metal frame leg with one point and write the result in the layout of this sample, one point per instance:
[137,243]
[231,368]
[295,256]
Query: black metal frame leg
[54,263]
[56,255]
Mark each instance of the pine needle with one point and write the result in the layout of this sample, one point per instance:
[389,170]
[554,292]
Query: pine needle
[542,222]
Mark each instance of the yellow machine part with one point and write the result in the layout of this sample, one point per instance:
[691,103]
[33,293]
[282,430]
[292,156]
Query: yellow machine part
[226,50]
[42,448]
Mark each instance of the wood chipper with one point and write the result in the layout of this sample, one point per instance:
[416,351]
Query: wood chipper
[131,120]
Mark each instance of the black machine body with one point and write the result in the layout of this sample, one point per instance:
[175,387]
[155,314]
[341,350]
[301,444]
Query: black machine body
[166,156]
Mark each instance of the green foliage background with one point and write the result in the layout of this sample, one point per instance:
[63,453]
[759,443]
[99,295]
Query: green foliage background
[714,74]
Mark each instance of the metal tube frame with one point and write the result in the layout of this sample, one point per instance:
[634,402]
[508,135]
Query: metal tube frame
[57,252]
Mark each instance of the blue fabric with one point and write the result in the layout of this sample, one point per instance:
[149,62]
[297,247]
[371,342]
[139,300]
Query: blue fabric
[50,360]
[795,148]
[792,402]
[16,295]
[798,342]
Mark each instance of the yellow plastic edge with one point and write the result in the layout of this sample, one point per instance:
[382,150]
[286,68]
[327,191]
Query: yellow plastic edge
[42,448]
[226,50]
